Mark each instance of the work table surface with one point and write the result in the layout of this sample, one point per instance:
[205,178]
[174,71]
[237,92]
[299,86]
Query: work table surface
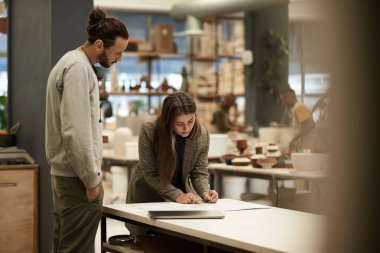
[259,230]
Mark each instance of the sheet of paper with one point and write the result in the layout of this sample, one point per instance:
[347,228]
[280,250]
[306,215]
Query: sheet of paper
[221,205]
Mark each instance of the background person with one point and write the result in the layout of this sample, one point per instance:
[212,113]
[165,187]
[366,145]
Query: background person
[306,133]
[73,133]
[221,118]
[173,158]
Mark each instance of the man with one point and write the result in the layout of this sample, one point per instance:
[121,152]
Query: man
[73,133]
[221,120]
[306,136]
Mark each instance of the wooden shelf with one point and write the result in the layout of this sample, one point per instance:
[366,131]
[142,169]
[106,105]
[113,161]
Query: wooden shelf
[154,54]
[135,93]
[216,57]
[163,55]
[213,97]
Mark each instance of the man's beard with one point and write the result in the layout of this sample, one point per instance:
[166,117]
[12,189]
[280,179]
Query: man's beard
[103,60]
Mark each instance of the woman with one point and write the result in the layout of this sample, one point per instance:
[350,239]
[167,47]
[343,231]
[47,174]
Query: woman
[173,157]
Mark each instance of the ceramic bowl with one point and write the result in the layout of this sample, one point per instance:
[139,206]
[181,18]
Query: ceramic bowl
[254,159]
[267,163]
[227,158]
[241,161]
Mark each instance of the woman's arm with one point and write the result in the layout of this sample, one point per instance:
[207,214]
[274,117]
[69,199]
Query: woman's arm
[199,174]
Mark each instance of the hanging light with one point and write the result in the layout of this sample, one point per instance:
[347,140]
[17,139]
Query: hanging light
[193,27]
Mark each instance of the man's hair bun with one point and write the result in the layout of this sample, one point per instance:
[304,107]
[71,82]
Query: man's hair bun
[104,28]
[96,15]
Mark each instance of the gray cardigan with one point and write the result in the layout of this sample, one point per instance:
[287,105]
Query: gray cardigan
[73,135]
[144,185]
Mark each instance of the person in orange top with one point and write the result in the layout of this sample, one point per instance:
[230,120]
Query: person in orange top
[306,133]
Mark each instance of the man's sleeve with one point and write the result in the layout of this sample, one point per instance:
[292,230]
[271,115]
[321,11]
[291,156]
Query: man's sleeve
[77,125]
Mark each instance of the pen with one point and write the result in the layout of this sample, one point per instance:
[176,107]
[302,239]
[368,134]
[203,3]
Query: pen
[208,200]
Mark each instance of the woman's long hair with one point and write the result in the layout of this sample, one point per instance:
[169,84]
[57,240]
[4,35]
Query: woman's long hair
[164,133]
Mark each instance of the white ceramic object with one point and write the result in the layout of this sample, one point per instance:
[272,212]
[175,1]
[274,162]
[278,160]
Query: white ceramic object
[273,148]
[266,165]
[119,184]
[257,185]
[269,134]
[286,135]
[132,149]
[133,123]
[122,135]
[274,154]
[218,145]
[309,161]
[257,156]
[241,161]
[233,186]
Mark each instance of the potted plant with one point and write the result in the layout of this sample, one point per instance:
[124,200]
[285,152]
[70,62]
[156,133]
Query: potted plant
[276,57]
[3,112]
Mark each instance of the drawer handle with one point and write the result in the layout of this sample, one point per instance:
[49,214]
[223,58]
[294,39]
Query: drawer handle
[8,184]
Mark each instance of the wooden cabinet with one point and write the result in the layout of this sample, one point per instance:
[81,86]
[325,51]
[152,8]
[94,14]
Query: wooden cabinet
[18,208]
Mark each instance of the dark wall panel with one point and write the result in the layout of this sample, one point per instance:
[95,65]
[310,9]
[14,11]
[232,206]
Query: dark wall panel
[69,26]
[263,105]
[41,31]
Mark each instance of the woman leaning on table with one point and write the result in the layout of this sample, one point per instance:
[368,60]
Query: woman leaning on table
[173,157]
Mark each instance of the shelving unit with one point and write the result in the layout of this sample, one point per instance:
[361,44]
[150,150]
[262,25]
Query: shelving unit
[154,54]
[217,69]
[215,97]
[215,49]
[132,93]
[214,59]
[148,57]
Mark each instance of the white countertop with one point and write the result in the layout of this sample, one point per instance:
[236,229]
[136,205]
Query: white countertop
[259,230]
[278,172]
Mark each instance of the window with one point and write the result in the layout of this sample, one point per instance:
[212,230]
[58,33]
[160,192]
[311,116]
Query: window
[307,73]
[3,67]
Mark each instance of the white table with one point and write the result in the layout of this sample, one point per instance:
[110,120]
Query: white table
[218,170]
[110,159]
[260,230]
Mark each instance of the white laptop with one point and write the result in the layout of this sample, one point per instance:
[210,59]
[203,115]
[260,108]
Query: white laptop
[186,214]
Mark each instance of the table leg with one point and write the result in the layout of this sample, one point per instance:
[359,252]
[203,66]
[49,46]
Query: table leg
[103,232]
[274,191]
[314,194]
[217,183]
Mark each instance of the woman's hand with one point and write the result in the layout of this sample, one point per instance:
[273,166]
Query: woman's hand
[188,198]
[211,196]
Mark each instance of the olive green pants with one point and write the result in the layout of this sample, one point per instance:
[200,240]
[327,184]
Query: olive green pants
[77,219]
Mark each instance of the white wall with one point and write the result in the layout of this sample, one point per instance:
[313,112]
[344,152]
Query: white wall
[137,5]
[298,9]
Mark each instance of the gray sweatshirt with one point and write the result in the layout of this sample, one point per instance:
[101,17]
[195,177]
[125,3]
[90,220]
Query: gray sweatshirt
[73,139]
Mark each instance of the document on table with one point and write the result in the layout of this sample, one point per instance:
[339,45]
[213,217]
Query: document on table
[221,205]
